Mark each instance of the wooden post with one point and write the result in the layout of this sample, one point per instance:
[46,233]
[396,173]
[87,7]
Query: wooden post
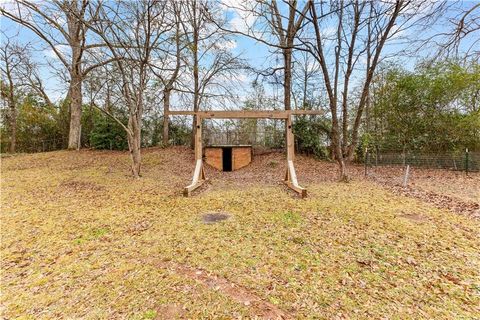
[366,160]
[290,139]
[291,176]
[199,173]
[198,139]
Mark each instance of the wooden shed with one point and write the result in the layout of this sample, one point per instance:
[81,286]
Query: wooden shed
[228,157]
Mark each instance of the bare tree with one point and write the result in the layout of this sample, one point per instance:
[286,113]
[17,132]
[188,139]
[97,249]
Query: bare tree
[208,54]
[31,78]
[131,32]
[58,24]
[278,31]
[359,32]
[169,69]
[286,36]
[464,32]
[10,63]
[20,76]
[305,79]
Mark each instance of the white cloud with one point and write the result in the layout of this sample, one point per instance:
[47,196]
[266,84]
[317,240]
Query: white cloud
[226,45]
[16,9]
[61,48]
[421,7]
[229,4]
[243,78]
[243,19]
[49,9]
[9,6]
[397,32]
[238,24]
[328,32]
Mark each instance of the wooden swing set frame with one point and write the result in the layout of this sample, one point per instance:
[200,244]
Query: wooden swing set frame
[199,173]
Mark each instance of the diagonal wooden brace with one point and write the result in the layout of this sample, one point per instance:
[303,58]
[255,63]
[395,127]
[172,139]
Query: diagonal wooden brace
[291,180]
[291,176]
[198,179]
[199,173]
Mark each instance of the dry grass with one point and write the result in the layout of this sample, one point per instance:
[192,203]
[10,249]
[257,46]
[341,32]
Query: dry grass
[81,239]
[455,184]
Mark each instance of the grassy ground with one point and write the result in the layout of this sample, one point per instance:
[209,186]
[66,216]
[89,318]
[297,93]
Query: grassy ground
[81,239]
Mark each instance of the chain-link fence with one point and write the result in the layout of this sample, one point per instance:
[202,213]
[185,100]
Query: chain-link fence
[463,161]
[36,145]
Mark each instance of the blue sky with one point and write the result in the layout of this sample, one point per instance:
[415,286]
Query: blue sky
[257,54]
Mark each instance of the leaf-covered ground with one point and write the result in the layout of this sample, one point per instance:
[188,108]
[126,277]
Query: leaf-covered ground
[81,239]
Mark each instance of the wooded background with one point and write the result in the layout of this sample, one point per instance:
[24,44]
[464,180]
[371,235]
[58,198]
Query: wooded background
[126,63]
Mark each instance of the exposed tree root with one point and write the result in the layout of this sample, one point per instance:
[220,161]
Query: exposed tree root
[260,308]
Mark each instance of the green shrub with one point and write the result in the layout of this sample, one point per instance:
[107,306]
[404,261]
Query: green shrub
[311,136]
[107,133]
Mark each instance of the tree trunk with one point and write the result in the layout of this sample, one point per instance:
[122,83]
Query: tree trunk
[339,157]
[369,76]
[196,79]
[13,128]
[287,85]
[343,170]
[11,105]
[337,146]
[76,76]
[134,145]
[344,122]
[75,111]
[166,109]
[305,87]
[194,131]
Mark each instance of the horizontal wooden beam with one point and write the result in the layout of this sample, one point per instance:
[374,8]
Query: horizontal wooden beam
[307,112]
[232,114]
[242,114]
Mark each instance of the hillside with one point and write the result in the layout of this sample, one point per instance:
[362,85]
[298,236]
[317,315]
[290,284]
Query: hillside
[82,239]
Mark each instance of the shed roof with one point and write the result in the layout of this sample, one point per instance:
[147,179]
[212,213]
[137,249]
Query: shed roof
[229,146]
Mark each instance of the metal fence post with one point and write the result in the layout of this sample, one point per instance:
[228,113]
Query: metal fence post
[405,177]
[466,161]
[366,161]
[79,138]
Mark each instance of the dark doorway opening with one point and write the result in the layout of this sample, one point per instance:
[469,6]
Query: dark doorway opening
[227,159]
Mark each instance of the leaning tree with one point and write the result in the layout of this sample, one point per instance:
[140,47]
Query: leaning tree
[349,56]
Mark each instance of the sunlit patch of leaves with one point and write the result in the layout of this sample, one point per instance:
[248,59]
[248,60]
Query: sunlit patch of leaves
[92,234]
[150,314]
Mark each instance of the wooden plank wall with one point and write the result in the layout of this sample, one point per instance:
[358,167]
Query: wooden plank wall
[214,157]
[242,156]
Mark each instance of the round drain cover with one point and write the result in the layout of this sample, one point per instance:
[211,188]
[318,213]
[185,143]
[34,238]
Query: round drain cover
[213,217]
